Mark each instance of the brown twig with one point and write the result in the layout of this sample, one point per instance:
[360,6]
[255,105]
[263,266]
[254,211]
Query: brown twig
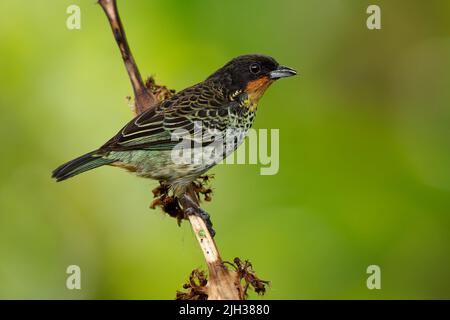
[223,283]
[143,98]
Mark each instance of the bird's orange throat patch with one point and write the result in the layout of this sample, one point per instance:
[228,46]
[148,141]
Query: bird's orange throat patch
[256,88]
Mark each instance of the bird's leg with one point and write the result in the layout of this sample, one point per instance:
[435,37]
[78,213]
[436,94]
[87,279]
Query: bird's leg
[192,208]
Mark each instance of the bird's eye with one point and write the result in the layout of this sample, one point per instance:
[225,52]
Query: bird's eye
[255,68]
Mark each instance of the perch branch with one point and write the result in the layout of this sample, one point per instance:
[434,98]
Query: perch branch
[223,284]
[144,99]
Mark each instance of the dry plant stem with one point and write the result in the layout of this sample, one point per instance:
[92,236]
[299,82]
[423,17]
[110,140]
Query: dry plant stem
[143,98]
[222,283]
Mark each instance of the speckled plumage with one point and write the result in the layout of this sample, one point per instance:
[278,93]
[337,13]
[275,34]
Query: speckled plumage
[225,102]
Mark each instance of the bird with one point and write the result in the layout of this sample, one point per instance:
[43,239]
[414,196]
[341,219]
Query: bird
[218,111]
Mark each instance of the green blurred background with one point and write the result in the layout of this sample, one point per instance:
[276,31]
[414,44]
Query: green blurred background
[364,149]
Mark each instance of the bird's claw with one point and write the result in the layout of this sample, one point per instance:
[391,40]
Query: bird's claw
[199,212]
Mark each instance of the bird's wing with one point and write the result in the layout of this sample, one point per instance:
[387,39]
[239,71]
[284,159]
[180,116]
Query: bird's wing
[159,127]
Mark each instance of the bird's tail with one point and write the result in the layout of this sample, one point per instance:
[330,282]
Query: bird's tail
[81,164]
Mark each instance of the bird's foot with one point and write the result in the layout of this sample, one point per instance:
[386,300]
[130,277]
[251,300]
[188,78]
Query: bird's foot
[199,212]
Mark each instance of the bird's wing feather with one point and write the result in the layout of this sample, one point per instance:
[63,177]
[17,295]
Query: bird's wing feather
[155,128]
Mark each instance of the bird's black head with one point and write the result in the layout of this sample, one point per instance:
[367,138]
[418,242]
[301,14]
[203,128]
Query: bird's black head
[252,73]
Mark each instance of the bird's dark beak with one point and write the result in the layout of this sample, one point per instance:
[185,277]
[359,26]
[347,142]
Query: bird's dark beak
[282,72]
